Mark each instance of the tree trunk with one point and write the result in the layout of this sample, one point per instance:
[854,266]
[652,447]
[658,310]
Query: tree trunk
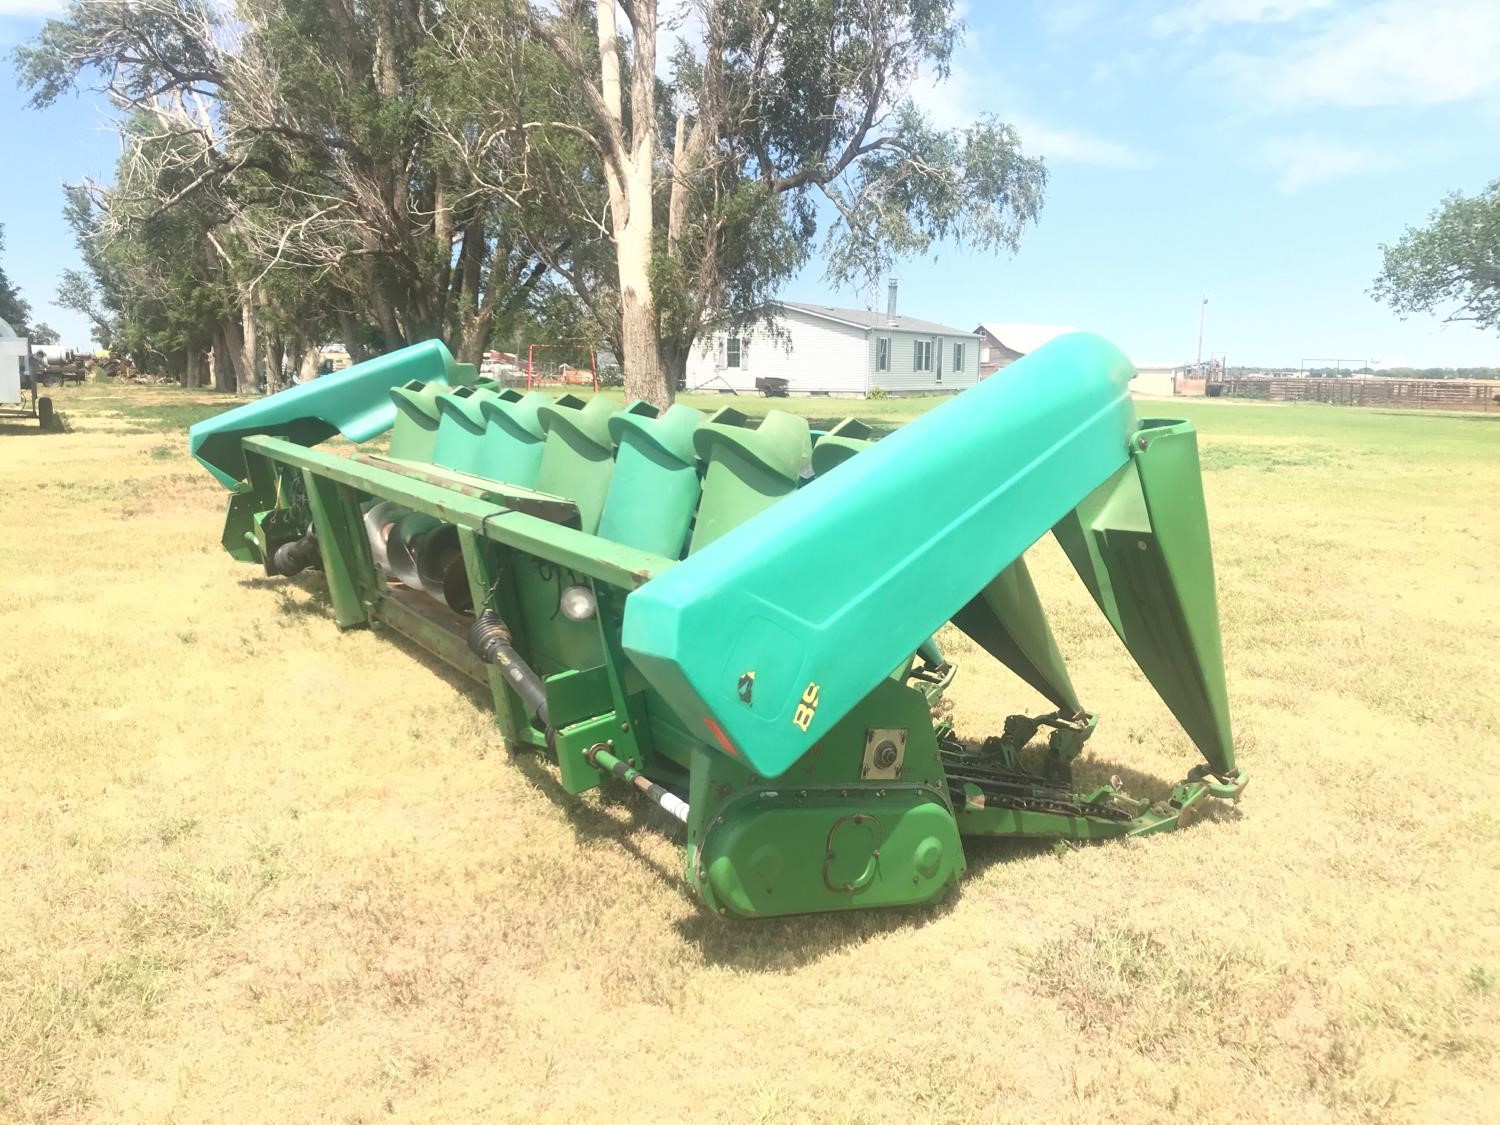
[275,358]
[222,366]
[295,352]
[687,151]
[475,336]
[385,315]
[250,362]
[312,360]
[352,343]
[192,373]
[644,376]
[630,183]
[674,365]
[238,374]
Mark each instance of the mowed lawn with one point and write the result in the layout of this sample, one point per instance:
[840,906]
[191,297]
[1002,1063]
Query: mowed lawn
[253,869]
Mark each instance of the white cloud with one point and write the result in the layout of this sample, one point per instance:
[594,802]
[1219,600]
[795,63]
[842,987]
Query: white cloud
[1301,161]
[1396,52]
[1075,146]
[963,98]
[1199,16]
[950,104]
[31,7]
[1062,17]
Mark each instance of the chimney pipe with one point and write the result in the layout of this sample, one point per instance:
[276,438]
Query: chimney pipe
[890,303]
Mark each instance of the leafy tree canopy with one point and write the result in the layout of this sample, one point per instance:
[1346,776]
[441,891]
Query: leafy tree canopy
[1452,263]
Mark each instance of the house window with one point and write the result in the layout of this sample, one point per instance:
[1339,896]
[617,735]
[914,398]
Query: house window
[883,353]
[732,352]
[921,355]
[958,357]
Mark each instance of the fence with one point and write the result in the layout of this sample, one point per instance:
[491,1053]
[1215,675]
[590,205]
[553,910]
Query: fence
[1422,394]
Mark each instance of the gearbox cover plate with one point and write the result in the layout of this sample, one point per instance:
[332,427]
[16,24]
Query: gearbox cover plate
[885,754]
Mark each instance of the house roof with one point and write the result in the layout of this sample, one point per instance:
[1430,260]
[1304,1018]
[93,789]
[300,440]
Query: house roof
[1025,338]
[867,319]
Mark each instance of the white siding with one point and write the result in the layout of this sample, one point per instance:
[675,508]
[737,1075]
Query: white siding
[1154,381]
[813,354]
[12,356]
[903,377]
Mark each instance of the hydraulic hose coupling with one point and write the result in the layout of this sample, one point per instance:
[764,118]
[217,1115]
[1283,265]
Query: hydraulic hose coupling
[490,640]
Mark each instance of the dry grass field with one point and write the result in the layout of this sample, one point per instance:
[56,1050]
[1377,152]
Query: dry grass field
[252,869]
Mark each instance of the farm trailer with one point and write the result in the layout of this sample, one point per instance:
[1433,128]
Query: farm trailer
[738,617]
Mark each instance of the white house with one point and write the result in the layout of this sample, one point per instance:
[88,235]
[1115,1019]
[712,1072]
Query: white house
[823,350]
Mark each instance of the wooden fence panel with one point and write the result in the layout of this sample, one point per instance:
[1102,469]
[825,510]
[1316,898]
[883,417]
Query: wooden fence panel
[1417,394]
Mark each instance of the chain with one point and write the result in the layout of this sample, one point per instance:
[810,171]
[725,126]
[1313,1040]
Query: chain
[1015,789]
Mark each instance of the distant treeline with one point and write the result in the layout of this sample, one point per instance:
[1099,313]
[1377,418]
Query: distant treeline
[1383,372]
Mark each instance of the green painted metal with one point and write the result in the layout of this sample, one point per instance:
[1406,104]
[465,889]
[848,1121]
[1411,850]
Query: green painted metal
[345,550]
[554,509]
[1140,543]
[414,434]
[807,842]
[578,459]
[461,428]
[800,594]
[750,467]
[1007,620]
[352,402]
[847,438]
[418,619]
[655,489]
[485,581]
[514,437]
[622,566]
[764,687]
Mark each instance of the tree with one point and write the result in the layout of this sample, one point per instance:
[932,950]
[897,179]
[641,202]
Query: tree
[77,291]
[1453,262]
[13,310]
[712,184]
[44,334]
[409,168]
[289,137]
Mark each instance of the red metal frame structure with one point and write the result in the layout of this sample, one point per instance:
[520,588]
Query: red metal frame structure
[531,353]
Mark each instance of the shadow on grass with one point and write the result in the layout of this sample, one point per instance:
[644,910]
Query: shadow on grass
[318,603]
[1090,773]
[591,823]
[30,427]
[771,945]
[766,945]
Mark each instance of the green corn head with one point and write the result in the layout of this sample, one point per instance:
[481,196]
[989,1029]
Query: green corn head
[738,617]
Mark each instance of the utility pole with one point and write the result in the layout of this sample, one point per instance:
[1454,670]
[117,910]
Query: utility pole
[1202,310]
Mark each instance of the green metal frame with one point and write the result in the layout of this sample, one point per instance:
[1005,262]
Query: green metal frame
[771,662]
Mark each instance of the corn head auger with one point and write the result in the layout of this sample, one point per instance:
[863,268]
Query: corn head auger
[738,618]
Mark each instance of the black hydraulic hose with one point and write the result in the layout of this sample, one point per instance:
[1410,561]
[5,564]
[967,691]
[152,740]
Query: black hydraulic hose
[489,638]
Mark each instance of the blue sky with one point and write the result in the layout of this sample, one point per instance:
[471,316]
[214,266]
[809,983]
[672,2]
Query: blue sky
[1251,151]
